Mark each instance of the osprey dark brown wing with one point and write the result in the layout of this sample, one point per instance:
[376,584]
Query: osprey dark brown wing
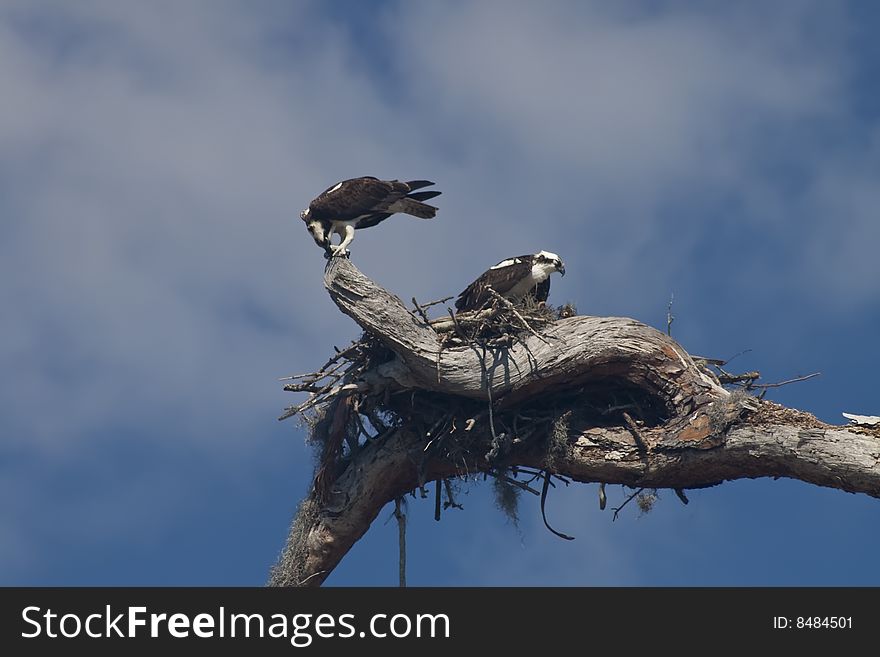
[362,203]
[355,198]
[501,277]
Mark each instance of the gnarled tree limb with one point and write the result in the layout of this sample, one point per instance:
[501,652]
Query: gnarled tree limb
[706,434]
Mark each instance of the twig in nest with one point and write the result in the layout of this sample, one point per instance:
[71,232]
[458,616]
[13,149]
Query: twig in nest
[290,411]
[458,330]
[705,360]
[341,354]
[434,303]
[433,434]
[785,383]
[634,429]
[295,376]
[437,500]
[450,499]
[746,377]
[669,316]
[464,318]
[514,482]
[421,311]
[319,392]
[544,490]
[736,355]
[309,381]
[534,473]
[310,386]
[401,539]
[512,308]
[627,501]
[562,479]
[602,499]
[318,397]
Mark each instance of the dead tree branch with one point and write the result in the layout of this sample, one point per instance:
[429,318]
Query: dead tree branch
[688,431]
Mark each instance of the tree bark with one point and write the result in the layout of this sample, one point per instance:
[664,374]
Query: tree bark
[703,435]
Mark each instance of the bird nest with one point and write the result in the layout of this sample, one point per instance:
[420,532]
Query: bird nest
[499,323]
[477,437]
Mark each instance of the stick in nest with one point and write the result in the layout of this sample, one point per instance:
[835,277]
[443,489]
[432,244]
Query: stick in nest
[348,388]
[512,308]
[544,490]
[785,383]
[634,429]
[514,482]
[627,501]
[421,312]
[434,303]
[747,377]
[458,328]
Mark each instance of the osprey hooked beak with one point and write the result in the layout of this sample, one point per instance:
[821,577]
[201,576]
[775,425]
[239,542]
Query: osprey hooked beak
[560,267]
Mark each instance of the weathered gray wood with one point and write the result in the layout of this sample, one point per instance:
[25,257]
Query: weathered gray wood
[711,436]
[574,349]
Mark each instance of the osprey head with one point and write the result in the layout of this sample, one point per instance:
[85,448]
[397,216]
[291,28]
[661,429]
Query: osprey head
[550,261]
[316,228]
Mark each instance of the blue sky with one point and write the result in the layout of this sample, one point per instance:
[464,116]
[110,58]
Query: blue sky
[157,281]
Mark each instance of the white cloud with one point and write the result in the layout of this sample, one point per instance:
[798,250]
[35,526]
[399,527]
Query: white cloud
[640,132]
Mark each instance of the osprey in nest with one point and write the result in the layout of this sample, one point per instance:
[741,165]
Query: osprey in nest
[514,279]
[362,203]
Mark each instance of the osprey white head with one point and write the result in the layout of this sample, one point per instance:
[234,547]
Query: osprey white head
[545,263]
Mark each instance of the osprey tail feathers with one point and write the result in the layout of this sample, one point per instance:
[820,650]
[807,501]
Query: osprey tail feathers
[418,184]
[423,196]
[414,207]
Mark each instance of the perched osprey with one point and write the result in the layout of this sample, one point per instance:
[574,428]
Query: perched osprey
[362,203]
[513,279]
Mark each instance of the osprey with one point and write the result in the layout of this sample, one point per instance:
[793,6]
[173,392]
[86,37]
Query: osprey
[514,279]
[362,203]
